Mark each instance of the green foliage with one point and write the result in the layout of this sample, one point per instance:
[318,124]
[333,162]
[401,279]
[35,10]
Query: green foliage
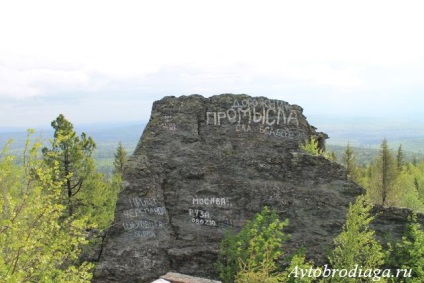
[384,173]
[73,156]
[416,175]
[298,262]
[407,194]
[313,148]
[48,204]
[349,162]
[265,271]
[120,159]
[389,180]
[258,243]
[400,159]
[356,245]
[410,251]
[97,202]
[36,245]
[261,264]
[86,194]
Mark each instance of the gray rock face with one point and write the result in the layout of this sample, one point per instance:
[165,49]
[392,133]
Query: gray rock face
[204,165]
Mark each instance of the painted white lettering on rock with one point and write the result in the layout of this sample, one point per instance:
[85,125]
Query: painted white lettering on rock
[142,202]
[142,224]
[269,112]
[136,212]
[211,201]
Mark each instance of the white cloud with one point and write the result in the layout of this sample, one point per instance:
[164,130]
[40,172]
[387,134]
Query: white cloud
[93,47]
[33,81]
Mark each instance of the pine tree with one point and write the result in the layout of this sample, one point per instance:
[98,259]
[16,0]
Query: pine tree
[349,162]
[73,155]
[416,184]
[415,160]
[406,192]
[120,159]
[383,176]
[386,168]
[36,245]
[257,244]
[409,253]
[356,245]
[400,159]
[98,199]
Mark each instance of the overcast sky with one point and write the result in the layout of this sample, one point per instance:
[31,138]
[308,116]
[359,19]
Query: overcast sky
[107,61]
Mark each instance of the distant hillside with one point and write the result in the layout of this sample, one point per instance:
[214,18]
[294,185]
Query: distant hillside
[368,133]
[106,137]
[364,134]
[364,155]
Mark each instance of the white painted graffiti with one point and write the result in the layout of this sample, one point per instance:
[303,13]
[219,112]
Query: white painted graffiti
[244,128]
[199,213]
[142,224]
[205,222]
[277,132]
[142,202]
[260,102]
[168,125]
[211,201]
[136,212]
[270,131]
[266,112]
[203,217]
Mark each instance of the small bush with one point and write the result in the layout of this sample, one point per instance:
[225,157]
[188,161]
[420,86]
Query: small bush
[256,246]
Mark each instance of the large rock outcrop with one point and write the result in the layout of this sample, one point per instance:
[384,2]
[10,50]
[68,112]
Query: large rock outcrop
[204,165]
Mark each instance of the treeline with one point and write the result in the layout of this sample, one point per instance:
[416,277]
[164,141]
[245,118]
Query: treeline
[54,205]
[389,179]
